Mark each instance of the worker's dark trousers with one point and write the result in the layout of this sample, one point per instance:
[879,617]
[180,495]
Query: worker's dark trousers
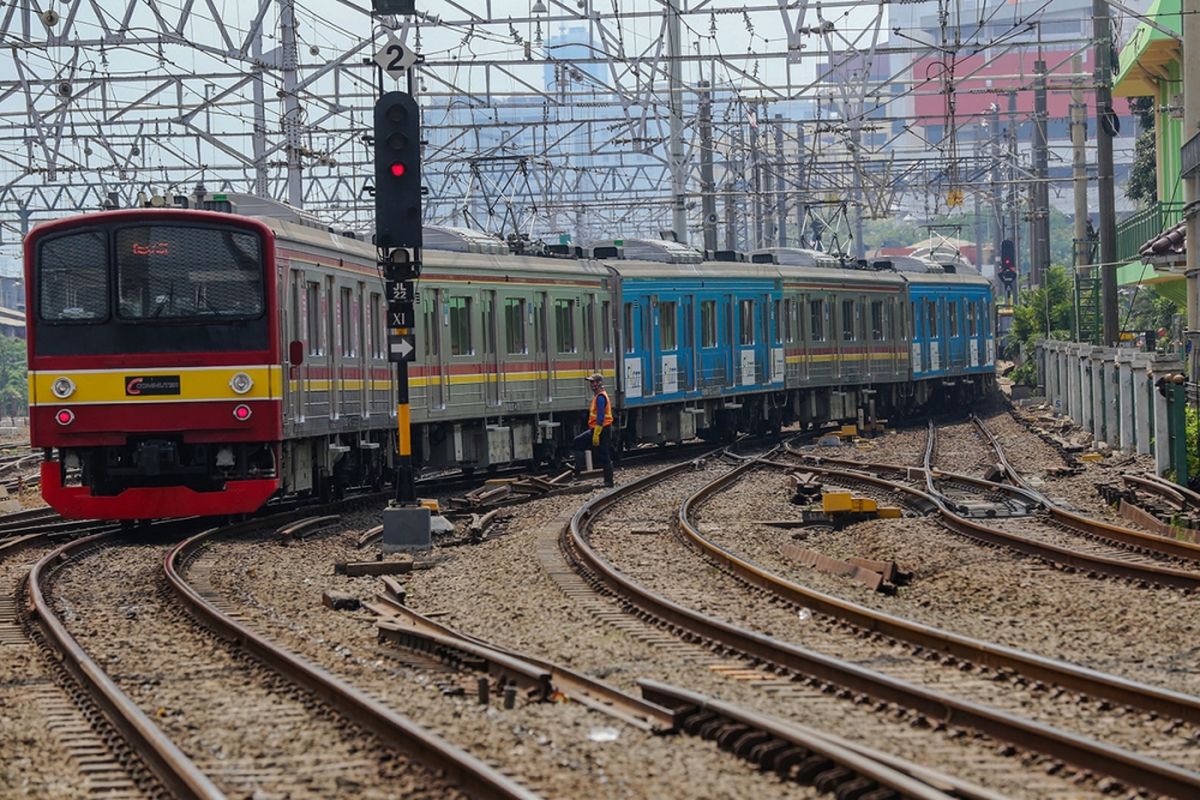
[603,458]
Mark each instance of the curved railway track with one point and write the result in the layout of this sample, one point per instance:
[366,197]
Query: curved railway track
[854,679]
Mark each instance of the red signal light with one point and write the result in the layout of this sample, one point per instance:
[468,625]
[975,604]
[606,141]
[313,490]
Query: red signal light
[241,412]
[398,170]
[65,417]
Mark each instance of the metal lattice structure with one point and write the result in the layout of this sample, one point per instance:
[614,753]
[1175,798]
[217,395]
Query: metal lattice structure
[546,118]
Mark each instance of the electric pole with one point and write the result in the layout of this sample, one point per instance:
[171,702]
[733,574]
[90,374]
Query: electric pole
[1105,130]
[708,201]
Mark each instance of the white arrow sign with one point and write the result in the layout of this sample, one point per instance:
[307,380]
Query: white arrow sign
[401,347]
[395,58]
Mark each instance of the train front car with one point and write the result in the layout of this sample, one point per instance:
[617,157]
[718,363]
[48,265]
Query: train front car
[154,377]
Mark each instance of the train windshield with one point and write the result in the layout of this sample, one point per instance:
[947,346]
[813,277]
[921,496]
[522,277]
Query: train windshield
[180,272]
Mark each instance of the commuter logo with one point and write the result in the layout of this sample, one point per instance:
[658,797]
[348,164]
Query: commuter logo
[141,385]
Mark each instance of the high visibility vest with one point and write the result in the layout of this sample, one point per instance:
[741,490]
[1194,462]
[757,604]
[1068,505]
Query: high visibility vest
[608,417]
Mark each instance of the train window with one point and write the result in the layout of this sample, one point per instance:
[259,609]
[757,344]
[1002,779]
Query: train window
[73,278]
[564,322]
[746,322]
[778,306]
[514,325]
[667,324]
[630,345]
[848,320]
[606,325]
[708,323]
[912,322]
[972,324]
[877,321]
[952,318]
[460,327]
[312,297]
[175,272]
[931,317]
[375,325]
[346,309]
[816,320]
[789,308]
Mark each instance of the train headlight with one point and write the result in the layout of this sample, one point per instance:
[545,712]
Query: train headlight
[241,412]
[63,387]
[64,416]
[241,383]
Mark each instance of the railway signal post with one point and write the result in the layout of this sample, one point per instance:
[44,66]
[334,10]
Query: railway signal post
[406,525]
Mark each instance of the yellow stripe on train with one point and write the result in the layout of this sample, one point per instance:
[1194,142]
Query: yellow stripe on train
[154,385]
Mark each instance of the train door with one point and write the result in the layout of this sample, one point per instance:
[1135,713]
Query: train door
[297,333]
[491,353]
[935,310]
[542,360]
[632,361]
[730,342]
[954,333]
[647,306]
[688,358]
[920,339]
[710,358]
[664,344]
[570,348]
[765,338]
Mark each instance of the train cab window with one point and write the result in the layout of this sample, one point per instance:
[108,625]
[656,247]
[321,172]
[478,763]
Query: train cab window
[630,344]
[952,319]
[778,306]
[375,325]
[816,320]
[788,321]
[312,298]
[708,323]
[606,325]
[459,311]
[972,323]
[912,322]
[667,327]
[745,322]
[564,322]
[73,278]
[878,324]
[848,317]
[589,324]
[931,318]
[176,272]
[514,325]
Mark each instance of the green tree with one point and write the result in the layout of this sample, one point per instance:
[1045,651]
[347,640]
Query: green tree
[1142,186]
[1046,311]
[14,384]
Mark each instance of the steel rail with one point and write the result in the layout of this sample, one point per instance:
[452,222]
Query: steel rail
[1130,768]
[1125,537]
[173,769]
[1170,704]
[460,767]
[904,777]
[536,673]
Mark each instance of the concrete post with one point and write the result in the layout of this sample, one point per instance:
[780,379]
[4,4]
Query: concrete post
[1073,384]
[1125,413]
[1053,377]
[1085,387]
[1190,19]
[1112,424]
[1162,426]
[1098,398]
[1143,412]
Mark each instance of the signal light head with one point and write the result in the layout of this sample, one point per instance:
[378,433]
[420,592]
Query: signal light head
[63,387]
[65,416]
[241,383]
[398,169]
[241,412]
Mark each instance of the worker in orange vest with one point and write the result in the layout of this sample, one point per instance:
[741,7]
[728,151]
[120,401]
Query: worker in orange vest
[598,436]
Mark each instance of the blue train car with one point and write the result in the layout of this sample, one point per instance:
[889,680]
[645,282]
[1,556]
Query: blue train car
[951,330]
[700,342]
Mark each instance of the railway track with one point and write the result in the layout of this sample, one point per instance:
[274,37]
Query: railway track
[204,716]
[783,664]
